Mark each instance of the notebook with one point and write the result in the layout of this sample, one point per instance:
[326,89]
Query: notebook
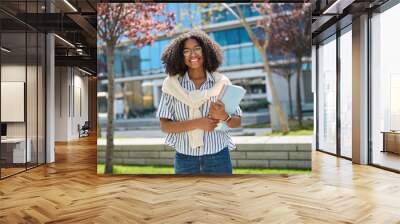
[230,95]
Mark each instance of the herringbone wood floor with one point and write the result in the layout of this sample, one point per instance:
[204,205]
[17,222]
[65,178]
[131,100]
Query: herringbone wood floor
[70,191]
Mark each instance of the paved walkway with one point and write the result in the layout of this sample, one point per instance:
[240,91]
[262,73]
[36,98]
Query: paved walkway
[157,133]
[236,140]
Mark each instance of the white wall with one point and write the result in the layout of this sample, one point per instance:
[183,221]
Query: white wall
[61,103]
[12,73]
[71,87]
[80,94]
[33,126]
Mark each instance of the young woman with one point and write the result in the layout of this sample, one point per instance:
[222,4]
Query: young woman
[193,57]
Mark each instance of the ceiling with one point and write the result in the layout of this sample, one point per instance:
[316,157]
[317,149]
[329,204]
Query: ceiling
[74,22]
[330,15]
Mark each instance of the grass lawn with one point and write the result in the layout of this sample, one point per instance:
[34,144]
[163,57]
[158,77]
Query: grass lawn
[124,169]
[258,125]
[295,130]
[301,132]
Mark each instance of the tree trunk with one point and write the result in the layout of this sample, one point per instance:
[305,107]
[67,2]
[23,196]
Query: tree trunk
[110,109]
[276,103]
[298,94]
[290,96]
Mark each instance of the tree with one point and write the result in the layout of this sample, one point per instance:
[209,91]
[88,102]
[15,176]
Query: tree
[140,23]
[291,37]
[286,71]
[261,42]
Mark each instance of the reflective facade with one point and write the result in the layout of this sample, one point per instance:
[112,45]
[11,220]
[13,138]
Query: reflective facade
[142,68]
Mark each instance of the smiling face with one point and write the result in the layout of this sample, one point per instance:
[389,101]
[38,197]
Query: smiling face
[193,54]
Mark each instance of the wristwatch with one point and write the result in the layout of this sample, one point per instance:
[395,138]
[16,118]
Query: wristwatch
[228,118]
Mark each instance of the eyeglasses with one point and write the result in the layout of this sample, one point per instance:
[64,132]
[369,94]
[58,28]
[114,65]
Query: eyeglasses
[196,50]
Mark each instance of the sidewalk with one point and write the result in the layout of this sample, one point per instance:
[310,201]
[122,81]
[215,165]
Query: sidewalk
[152,122]
[236,140]
[155,132]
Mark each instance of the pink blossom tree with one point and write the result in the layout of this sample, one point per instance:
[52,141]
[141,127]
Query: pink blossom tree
[291,37]
[141,23]
[261,42]
[269,28]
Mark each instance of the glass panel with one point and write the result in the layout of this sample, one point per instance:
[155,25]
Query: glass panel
[225,63]
[233,35]
[101,65]
[155,56]
[246,55]
[117,63]
[13,77]
[22,84]
[248,11]
[32,93]
[220,14]
[132,61]
[31,98]
[257,55]
[234,56]
[385,84]
[244,36]
[186,13]
[163,44]
[41,98]
[327,96]
[145,58]
[220,37]
[346,94]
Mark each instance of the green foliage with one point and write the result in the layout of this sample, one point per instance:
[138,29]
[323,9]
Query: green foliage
[254,105]
[292,133]
[125,169]
[295,130]
[258,125]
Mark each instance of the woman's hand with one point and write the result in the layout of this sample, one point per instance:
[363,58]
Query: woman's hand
[217,111]
[207,124]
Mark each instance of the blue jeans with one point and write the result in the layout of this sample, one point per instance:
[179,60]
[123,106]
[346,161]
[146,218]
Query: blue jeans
[218,163]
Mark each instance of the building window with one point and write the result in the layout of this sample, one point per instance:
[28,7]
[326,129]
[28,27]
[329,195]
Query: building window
[145,58]
[247,55]
[223,15]
[327,95]
[346,93]
[233,56]
[385,88]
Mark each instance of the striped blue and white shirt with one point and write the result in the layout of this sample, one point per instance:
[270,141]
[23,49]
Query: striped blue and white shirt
[175,110]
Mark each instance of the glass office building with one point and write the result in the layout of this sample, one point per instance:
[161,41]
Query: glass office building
[139,72]
[357,81]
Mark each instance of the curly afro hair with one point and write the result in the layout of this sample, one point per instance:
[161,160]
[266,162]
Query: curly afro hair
[173,58]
